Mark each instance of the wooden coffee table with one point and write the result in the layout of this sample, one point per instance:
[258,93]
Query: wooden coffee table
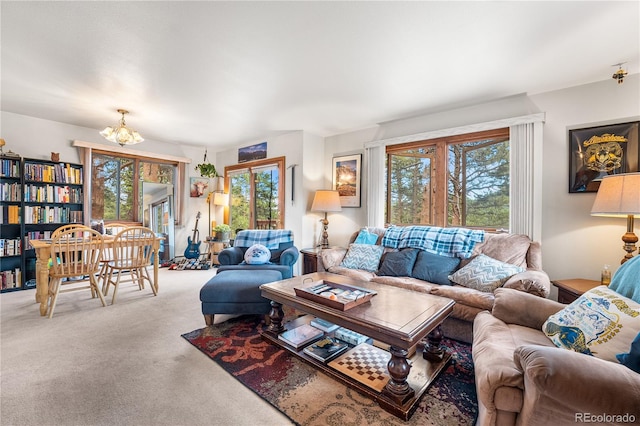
[398,317]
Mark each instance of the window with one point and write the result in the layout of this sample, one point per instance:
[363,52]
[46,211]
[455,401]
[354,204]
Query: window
[115,184]
[460,180]
[256,191]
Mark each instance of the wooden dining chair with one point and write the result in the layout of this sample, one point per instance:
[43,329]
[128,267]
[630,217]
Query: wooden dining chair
[131,251]
[75,260]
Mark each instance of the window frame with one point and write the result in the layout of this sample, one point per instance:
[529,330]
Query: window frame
[441,158]
[280,164]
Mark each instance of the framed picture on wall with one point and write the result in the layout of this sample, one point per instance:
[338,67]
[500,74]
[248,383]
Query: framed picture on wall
[596,152]
[346,179]
[198,187]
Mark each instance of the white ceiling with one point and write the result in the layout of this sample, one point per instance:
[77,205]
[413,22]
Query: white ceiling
[224,73]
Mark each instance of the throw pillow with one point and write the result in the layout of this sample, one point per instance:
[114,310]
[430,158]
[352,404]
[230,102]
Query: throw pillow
[632,359]
[257,254]
[434,268]
[625,280]
[363,256]
[601,323]
[484,273]
[366,237]
[398,263]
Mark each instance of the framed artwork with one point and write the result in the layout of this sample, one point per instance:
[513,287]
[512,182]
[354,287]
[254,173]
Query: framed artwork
[346,179]
[253,152]
[595,152]
[198,187]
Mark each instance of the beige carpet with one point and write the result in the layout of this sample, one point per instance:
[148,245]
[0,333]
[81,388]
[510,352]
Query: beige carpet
[125,364]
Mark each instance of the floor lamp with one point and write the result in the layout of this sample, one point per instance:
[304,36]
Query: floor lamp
[326,201]
[619,196]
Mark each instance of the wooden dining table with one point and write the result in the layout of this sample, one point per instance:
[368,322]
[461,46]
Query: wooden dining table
[42,249]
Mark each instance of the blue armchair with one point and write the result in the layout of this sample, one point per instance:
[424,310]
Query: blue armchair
[279,242]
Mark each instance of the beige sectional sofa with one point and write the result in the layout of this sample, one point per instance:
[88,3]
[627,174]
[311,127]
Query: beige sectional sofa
[522,378]
[510,248]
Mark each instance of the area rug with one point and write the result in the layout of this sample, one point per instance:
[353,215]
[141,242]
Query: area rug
[311,398]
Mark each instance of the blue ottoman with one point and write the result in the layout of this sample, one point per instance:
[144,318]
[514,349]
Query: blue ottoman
[236,292]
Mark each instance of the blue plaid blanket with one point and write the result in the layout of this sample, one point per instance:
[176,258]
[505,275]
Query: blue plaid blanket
[450,242]
[270,238]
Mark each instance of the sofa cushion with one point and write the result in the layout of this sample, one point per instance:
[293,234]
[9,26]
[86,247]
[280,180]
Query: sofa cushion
[434,268]
[366,237]
[257,254]
[508,248]
[363,256]
[407,283]
[484,273]
[398,263]
[357,274]
[601,323]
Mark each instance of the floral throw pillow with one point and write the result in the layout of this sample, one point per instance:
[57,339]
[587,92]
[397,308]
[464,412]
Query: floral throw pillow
[363,256]
[257,254]
[484,273]
[601,323]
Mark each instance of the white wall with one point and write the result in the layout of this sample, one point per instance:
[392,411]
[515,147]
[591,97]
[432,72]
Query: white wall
[574,243]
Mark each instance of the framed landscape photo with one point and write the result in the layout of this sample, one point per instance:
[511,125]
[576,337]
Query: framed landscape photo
[346,179]
[596,152]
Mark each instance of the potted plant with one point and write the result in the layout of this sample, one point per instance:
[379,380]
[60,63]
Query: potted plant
[207,169]
[223,232]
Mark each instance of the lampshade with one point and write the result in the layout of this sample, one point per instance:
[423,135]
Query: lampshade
[326,201]
[618,196]
[120,133]
[221,199]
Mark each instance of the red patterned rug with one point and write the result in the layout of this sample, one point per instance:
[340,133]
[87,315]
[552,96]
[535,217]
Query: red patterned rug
[311,398]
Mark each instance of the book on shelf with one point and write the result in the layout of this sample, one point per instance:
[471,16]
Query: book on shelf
[301,335]
[326,349]
[324,325]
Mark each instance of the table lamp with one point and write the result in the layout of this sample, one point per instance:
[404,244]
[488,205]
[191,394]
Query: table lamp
[619,196]
[326,201]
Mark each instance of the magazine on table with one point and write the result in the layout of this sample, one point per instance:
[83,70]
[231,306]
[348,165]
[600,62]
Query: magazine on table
[301,335]
[326,349]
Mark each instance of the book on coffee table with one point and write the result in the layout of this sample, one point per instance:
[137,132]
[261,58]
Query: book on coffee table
[326,349]
[301,335]
[324,325]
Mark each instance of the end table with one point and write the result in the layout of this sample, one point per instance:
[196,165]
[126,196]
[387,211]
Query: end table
[311,260]
[570,289]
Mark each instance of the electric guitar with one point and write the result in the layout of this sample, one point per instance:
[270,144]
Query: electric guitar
[193,243]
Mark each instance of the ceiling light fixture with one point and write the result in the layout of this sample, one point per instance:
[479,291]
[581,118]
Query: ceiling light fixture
[620,74]
[120,133]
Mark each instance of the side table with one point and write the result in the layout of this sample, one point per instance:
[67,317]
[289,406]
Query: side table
[311,260]
[569,290]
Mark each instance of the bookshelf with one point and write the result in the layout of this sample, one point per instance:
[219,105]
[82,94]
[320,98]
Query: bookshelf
[11,261]
[40,196]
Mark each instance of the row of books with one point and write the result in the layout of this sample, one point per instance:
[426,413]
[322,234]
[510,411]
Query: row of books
[52,194]
[316,344]
[61,173]
[10,215]
[36,235]
[10,247]
[11,278]
[51,214]
[10,192]
[10,168]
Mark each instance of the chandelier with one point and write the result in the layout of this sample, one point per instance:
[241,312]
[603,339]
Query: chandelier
[120,133]
[620,74]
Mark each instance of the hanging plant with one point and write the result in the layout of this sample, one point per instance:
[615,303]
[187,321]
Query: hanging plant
[207,169]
